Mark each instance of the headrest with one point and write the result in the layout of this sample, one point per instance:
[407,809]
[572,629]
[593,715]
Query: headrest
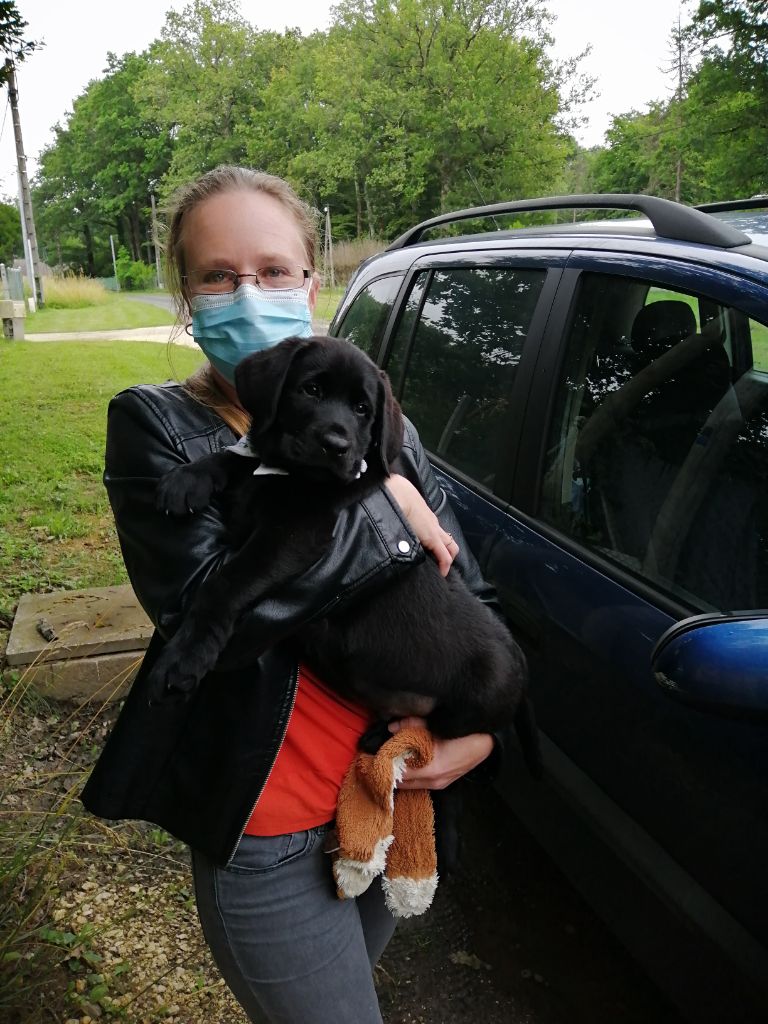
[660,326]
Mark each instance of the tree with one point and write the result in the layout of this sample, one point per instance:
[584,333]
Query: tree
[204,82]
[11,244]
[710,140]
[12,26]
[744,23]
[454,103]
[96,178]
[729,93]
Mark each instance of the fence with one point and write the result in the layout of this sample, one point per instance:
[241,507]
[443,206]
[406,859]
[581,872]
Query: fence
[12,283]
[110,283]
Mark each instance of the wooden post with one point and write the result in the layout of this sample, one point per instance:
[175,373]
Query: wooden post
[28,220]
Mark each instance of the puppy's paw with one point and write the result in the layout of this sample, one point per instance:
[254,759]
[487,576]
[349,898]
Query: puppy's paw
[185,489]
[170,679]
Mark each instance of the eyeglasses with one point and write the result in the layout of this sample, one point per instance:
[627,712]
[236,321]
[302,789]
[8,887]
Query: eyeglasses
[274,278]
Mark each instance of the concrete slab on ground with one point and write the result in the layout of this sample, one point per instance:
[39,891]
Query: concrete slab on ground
[79,644]
[99,620]
[100,679]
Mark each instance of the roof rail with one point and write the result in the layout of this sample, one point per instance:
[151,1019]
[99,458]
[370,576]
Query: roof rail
[753,203]
[669,220]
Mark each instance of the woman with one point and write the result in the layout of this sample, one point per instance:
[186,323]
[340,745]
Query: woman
[247,771]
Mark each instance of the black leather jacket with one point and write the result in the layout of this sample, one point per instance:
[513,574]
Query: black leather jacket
[198,768]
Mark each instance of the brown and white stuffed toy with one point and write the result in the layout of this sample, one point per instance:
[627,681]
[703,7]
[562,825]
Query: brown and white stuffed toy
[384,830]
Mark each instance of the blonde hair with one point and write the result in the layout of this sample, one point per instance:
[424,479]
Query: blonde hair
[202,385]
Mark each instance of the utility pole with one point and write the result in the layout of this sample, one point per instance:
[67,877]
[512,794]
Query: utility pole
[28,220]
[114,261]
[154,241]
[328,250]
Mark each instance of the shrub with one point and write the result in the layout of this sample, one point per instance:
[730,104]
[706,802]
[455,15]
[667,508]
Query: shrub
[133,275]
[73,292]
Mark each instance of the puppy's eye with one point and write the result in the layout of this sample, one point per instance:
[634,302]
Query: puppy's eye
[311,388]
[362,409]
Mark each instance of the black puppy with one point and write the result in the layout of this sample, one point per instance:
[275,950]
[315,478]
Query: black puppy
[421,645]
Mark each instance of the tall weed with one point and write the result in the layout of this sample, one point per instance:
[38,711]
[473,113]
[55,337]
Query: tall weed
[74,292]
[347,256]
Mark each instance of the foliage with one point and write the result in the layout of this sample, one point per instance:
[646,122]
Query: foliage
[11,244]
[744,21]
[710,140]
[203,81]
[133,275]
[12,26]
[451,101]
[96,178]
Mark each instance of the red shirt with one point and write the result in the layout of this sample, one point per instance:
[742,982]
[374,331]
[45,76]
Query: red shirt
[319,746]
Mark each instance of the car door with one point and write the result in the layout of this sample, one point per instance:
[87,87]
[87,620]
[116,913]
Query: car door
[645,482]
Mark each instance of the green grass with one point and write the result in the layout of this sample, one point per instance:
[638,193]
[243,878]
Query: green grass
[56,528]
[758,331]
[117,314]
[327,301]
[120,313]
[759,334]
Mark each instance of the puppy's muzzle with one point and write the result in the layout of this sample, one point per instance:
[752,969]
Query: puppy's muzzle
[334,442]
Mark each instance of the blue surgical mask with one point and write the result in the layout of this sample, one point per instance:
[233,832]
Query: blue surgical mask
[230,327]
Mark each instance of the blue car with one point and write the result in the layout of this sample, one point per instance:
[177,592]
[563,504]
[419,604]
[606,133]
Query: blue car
[594,398]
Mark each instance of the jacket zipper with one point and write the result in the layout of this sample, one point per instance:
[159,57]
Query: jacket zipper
[295,684]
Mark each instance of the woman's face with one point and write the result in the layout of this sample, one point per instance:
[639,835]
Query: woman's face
[243,231]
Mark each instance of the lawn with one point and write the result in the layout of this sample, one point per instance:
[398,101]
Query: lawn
[78,896]
[116,314]
[56,528]
[327,301]
[120,313]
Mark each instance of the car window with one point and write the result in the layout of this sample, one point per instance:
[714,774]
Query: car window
[759,337]
[454,358]
[657,452]
[366,318]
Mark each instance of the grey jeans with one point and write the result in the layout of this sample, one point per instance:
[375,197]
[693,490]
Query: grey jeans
[289,949]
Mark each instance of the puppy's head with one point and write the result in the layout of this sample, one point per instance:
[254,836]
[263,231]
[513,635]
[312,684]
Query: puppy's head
[321,407]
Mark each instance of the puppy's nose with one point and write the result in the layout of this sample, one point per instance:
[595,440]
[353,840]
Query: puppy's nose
[335,443]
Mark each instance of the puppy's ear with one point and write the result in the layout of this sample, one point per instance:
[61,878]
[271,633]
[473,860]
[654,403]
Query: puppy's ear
[387,431]
[259,381]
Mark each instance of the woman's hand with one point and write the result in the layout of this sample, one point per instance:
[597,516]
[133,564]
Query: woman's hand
[424,522]
[451,759]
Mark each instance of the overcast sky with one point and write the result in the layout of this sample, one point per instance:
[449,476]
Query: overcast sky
[629,50]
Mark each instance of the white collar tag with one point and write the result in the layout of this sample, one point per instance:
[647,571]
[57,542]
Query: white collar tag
[243,447]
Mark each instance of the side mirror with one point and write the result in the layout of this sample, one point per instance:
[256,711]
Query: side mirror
[716,663]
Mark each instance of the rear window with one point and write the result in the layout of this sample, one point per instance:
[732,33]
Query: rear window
[366,318]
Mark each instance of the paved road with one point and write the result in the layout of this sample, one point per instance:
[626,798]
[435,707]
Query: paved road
[153,298]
